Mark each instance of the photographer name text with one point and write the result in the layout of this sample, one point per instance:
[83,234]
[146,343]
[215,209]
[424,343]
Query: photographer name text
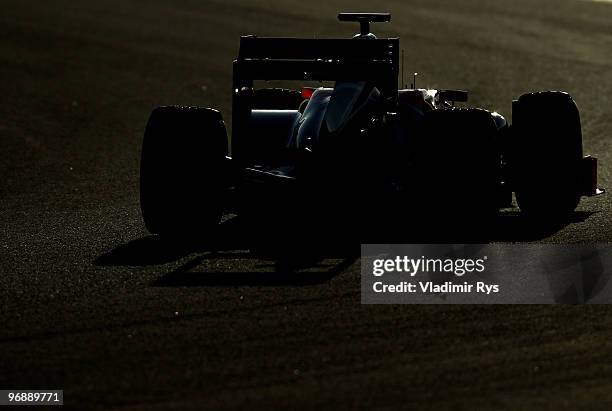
[412,267]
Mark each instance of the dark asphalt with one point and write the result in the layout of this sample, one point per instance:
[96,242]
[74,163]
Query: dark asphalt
[89,303]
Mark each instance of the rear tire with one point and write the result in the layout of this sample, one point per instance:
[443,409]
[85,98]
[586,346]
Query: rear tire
[546,150]
[181,170]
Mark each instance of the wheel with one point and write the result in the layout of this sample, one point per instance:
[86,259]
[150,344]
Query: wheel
[181,170]
[546,150]
[457,166]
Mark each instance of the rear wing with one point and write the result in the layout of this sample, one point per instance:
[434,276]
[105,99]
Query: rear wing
[317,59]
[372,60]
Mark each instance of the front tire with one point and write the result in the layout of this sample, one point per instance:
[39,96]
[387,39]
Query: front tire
[181,170]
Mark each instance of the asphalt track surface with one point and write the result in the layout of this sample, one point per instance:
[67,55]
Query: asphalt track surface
[93,305]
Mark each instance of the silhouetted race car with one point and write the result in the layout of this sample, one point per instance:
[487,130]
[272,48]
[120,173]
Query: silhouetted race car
[362,147]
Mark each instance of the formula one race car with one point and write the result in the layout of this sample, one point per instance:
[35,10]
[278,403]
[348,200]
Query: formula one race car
[360,147]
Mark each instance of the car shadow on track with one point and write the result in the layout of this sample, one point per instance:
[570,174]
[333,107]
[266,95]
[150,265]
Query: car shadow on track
[279,274]
[275,260]
[278,257]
